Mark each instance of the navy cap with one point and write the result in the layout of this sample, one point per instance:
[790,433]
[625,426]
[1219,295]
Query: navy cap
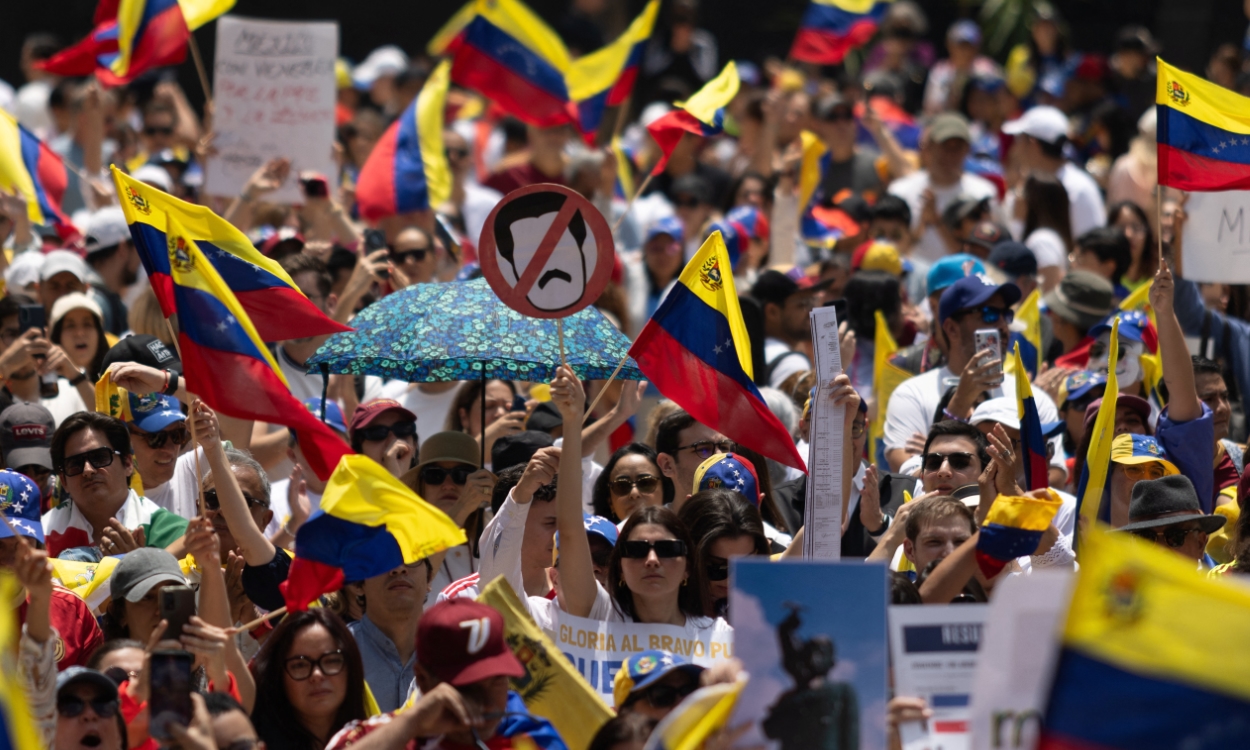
[973,291]
[1013,259]
[1130,330]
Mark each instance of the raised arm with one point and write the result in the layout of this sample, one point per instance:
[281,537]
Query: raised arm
[256,548]
[577,575]
[1178,371]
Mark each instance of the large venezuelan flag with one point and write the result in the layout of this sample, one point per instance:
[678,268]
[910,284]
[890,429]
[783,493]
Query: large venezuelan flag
[1030,339]
[94,53]
[32,169]
[1203,133]
[514,59]
[1139,668]
[831,28]
[605,78]
[1032,442]
[267,293]
[153,33]
[407,169]
[696,350]
[1093,479]
[369,523]
[224,359]
[703,114]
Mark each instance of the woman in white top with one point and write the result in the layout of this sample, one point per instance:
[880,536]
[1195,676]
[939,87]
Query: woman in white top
[1047,226]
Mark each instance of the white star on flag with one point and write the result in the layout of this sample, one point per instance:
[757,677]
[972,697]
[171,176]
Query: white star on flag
[718,349]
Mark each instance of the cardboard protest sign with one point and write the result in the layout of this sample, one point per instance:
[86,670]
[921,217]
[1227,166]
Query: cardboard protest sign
[546,251]
[274,94]
[817,635]
[1217,237]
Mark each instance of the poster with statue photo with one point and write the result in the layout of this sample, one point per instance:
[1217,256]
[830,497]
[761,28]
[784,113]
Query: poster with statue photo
[819,653]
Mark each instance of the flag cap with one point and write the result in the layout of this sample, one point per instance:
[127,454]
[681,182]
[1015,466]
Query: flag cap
[1141,449]
[643,670]
[728,471]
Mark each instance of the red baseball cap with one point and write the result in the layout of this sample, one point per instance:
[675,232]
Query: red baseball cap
[371,410]
[460,642]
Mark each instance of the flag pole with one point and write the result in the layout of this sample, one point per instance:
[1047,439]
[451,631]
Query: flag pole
[199,67]
[195,441]
[632,198]
[560,334]
[257,622]
[604,389]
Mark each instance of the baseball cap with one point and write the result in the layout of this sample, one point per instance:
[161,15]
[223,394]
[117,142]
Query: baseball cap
[1002,410]
[693,185]
[23,271]
[972,291]
[963,207]
[829,104]
[728,471]
[596,525]
[269,246]
[949,125]
[1138,404]
[644,669]
[144,349]
[20,502]
[155,411]
[733,235]
[73,675]
[545,418]
[1043,122]
[987,234]
[371,410]
[776,287]
[751,219]
[1078,384]
[142,569]
[385,60]
[1082,298]
[106,228]
[59,261]
[332,414]
[876,255]
[669,225]
[1141,449]
[157,177]
[1130,327]
[950,269]
[460,642]
[26,435]
[518,449]
[1013,259]
[73,301]
[964,31]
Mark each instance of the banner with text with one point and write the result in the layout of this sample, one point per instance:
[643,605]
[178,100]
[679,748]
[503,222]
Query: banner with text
[1217,237]
[274,95]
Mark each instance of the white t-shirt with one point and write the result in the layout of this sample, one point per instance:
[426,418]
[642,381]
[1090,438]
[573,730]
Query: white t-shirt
[281,505]
[787,364]
[911,189]
[181,494]
[66,402]
[1048,248]
[431,408]
[1085,198]
[546,612]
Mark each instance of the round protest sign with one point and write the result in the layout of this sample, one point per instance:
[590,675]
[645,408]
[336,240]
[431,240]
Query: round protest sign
[546,251]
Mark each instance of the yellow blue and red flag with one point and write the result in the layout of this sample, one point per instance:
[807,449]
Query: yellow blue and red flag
[30,168]
[1134,670]
[1032,442]
[605,78]
[153,33]
[368,523]
[886,377]
[1013,528]
[1203,133]
[267,293]
[831,28]
[94,53]
[696,350]
[407,169]
[17,728]
[1028,340]
[702,114]
[1093,479]
[447,38]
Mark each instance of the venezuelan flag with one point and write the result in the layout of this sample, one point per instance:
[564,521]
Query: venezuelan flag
[703,114]
[1028,341]
[95,53]
[224,359]
[696,350]
[153,33]
[369,523]
[509,55]
[1098,461]
[885,378]
[266,292]
[1013,528]
[605,78]
[1033,445]
[831,28]
[407,169]
[17,730]
[896,119]
[447,39]
[30,168]
[1203,133]
[1135,669]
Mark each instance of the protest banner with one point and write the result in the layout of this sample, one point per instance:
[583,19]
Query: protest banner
[1216,237]
[806,621]
[934,653]
[274,93]
[1017,655]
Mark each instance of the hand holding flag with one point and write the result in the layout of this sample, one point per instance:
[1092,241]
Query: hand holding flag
[702,114]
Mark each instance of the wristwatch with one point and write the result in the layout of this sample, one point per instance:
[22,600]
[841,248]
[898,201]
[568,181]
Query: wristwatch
[172,387]
[79,378]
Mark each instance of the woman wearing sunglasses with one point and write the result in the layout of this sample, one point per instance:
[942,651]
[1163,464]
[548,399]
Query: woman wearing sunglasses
[631,480]
[723,524]
[310,682]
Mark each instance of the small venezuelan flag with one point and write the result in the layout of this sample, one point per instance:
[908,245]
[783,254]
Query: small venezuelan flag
[703,114]
[154,33]
[831,28]
[1029,341]
[1093,479]
[94,53]
[605,78]
[1203,133]
[1013,528]
[30,168]
[1032,443]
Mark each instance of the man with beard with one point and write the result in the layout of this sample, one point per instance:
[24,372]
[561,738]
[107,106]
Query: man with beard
[786,307]
[112,257]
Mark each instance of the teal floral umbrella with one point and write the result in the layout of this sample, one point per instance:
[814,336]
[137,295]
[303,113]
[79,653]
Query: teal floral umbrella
[461,331]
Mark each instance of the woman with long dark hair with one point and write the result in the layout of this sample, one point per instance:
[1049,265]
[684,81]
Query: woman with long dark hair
[865,294]
[631,480]
[1131,219]
[465,414]
[723,524]
[1047,226]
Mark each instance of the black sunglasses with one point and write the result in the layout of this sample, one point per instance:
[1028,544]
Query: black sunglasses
[456,153]
[717,571]
[664,548]
[157,130]
[1173,536]
[376,432]
[959,461]
[436,475]
[212,503]
[665,695]
[155,440]
[99,458]
[71,706]
[686,202]
[622,486]
[705,449]
[991,314]
[300,668]
[839,115]
[400,257]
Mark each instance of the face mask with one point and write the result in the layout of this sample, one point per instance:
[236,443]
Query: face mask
[1128,368]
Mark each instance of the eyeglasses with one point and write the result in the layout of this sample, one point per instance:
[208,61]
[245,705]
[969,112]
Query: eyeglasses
[1142,472]
[436,475]
[717,571]
[1173,536]
[707,448]
[857,429]
[156,440]
[958,461]
[300,668]
[71,706]
[400,257]
[665,695]
[991,314]
[98,458]
[664,548]
[157,130]
[375,432]
[212,503]
[622,486]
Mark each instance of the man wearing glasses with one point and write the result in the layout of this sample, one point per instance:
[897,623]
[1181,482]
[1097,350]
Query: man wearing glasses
[682,443]
[1166,511]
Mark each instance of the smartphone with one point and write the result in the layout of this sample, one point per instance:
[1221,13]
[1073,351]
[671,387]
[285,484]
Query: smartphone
[170,697]
[314,185]
[375,240]
[31,316]
[518,403]
[992,339]
[177,607]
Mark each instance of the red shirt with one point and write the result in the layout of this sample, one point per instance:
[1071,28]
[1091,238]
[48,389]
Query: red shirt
[78,632]
[507,180]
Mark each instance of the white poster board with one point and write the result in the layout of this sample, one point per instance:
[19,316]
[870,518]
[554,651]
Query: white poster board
[1217,237]
[273,93]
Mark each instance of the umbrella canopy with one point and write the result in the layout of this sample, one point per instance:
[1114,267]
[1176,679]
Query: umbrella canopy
[461,331]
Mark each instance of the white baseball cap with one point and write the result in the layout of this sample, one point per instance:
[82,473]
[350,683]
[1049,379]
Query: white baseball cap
[59,261]
[157,177]
[386,60]
[1043,123]
[106,228]
[1004,410]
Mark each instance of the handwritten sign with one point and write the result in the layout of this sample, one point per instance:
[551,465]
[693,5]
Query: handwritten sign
[546,251]
[273,88]
[1217,237]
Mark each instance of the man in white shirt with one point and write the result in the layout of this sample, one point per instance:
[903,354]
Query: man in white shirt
[1040,135]
[944,146]
[786,307]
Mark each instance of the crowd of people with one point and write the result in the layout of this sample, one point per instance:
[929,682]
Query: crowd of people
[935,185]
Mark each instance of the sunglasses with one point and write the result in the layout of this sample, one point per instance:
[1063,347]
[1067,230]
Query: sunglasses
[375,432]
[179,436]
[1140,472]
[300,668]
[157,130]
[622,486]
[1173,536]
[705,449]
[664,548]
[717,571]
[400,257]
[99,458]
[840,115]
[991,314]
[212,503]
[667,696]
[686,202]
[436,475]
[958,461]
[71,706]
